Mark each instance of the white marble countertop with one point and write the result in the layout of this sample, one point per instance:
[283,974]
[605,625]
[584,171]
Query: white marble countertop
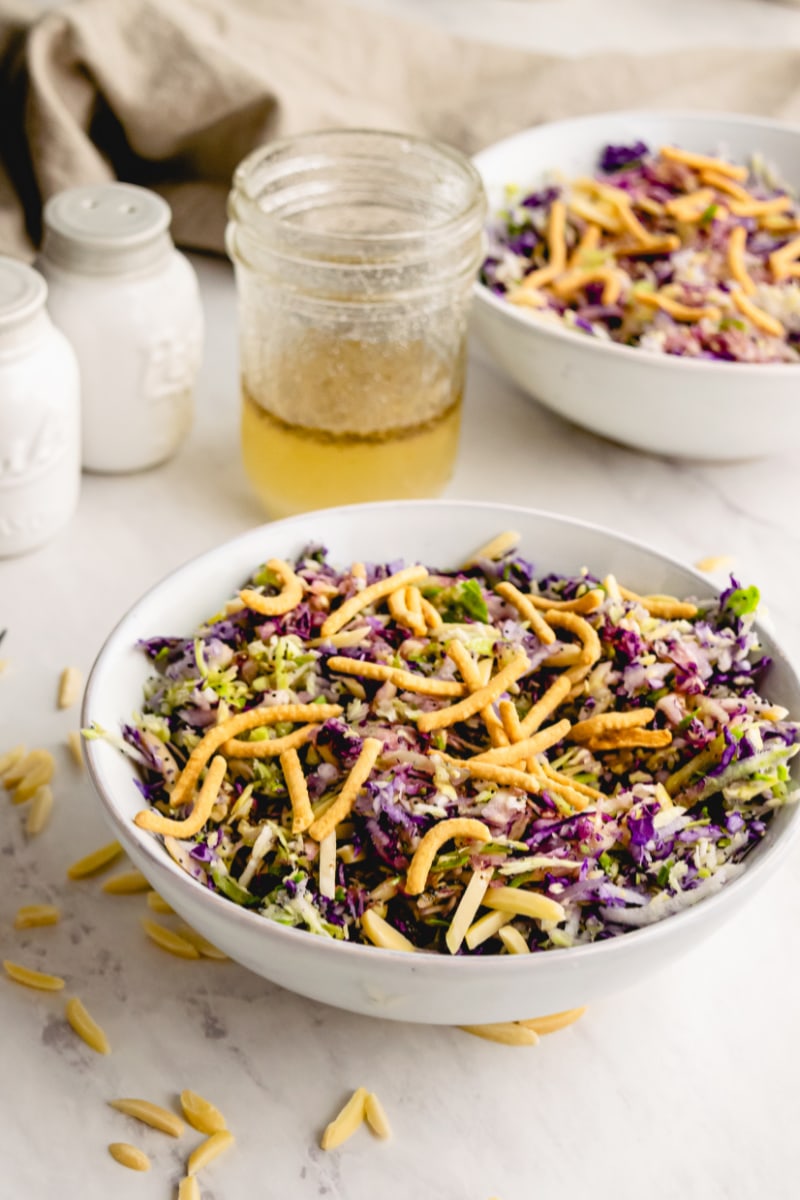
[683,1086]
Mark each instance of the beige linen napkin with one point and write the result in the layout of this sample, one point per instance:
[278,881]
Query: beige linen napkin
[173,93]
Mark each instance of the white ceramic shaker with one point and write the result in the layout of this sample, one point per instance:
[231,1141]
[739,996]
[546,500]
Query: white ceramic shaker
[40,438]
[129,303]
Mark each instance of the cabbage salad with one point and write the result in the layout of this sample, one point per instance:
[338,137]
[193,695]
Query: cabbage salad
[474,761]
[674,252]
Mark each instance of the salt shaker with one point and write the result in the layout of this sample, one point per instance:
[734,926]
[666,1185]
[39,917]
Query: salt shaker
[128,301]
[39,415]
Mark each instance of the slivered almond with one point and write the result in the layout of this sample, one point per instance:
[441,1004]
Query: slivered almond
[201,1113]
[98,860]
[39,980]
[40,811]
[507,1033]
[554,1022]
[150,1114]
[468,906]
[86,1027]
[487,926]
[129,1156]
[11,759]
[29,916]
[524,903]
[15,772]
[513,940]
[327,865]
[714,562]
[207,949]
[347,1121]
[158,903]
[75,743]
[208,1150]
[498,547]
[39,774]
[70,687]
[382,934]
[376,1116]
[169,940]
[126,884]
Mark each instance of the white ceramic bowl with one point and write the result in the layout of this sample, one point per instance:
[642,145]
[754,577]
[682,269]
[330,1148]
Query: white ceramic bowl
[430,988]
[689,408]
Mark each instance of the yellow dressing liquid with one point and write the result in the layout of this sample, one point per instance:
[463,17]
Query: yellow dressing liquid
[344,421]
[295,469]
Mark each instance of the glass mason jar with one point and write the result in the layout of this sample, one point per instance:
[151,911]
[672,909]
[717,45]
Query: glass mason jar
[355,255]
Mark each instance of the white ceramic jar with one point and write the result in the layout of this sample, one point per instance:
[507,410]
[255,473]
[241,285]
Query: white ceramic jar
[129,303]
[39,415]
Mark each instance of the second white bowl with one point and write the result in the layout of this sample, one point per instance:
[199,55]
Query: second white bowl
[683,407]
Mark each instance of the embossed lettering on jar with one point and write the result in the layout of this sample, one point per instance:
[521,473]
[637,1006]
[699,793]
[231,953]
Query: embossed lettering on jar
[355,255]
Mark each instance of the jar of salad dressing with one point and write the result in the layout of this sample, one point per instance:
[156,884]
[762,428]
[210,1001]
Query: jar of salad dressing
[355,255]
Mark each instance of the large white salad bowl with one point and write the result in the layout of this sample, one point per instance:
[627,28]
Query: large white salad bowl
[683,407]
[382,983]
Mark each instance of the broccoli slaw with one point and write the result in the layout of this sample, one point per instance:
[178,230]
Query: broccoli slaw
[602,759]
[669,251]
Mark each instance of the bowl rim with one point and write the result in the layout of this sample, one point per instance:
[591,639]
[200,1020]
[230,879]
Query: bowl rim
[526,319]
[262,927]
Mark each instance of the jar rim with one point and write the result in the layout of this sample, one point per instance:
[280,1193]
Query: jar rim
[247,196]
